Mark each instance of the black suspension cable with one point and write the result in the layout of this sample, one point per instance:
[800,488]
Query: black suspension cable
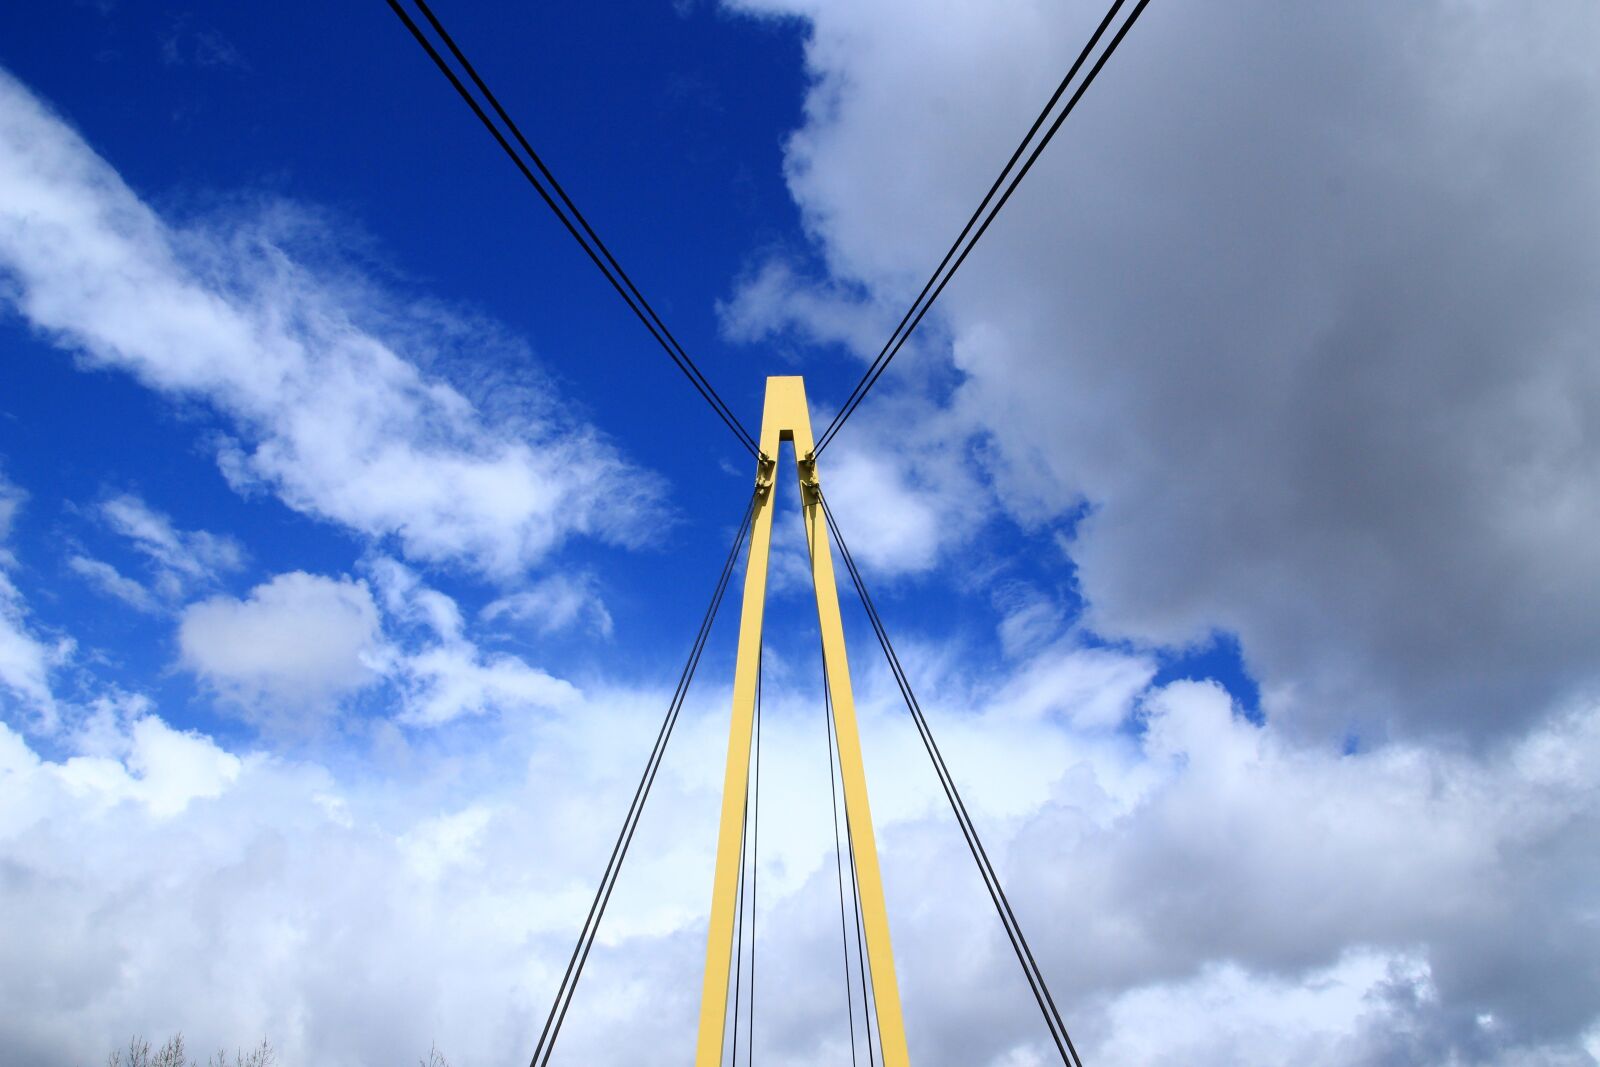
[869,990]
[641,793]
[738,930]
[749,830]
[1008,919]
[590,242]
[867,1000]
[838,861]
[755,867]
[855,883]
[849,402]
[936,283]
[687,364]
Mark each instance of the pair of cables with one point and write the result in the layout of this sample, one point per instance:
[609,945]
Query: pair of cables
[749,874]
[619,851]
[839,852]
[991,880]
[988,209]
[494,117]
[508,135]
[842,848]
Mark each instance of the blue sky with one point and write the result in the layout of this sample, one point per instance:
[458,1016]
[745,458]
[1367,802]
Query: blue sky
[1233,513]
[667,125]
[409,195]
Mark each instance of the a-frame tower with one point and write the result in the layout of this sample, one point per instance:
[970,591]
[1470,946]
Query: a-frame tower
[785,417]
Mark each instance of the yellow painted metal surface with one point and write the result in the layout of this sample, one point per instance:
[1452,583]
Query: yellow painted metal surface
[786,418]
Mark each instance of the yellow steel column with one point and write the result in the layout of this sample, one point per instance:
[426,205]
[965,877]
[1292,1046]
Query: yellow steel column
[858,813]
[736,777]
[786,418]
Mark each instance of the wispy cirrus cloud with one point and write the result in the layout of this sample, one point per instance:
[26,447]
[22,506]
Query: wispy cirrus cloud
[551,604]
[113,583]
[181,557]
[441,673]
[26,659]
[317,376]
[177,561]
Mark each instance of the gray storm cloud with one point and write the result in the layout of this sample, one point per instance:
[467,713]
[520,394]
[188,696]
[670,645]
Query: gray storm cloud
[1300,303]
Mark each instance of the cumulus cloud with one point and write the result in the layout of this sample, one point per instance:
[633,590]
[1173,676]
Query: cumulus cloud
[315,373]
[176,883]
[1299,303]
[291,653]
[907,495]
[295,643]
[1207,889]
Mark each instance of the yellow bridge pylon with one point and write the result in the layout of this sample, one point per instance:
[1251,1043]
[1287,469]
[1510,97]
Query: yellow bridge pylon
[785,417]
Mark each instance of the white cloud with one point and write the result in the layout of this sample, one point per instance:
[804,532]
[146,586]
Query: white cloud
[290,653]
[774,300]
[162,768]
[904,498]
[25,660]
[311,370]
[296,644]
[151,872]
[554,603]
[454,678]
[444,842]
[442,674]
[11,499]
[1029,618]
[1299,301]
[106,578]
[181,557]
[1227,1013]
[1090,688]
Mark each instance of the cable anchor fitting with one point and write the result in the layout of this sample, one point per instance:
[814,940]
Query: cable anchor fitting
[810,488]
[766,470]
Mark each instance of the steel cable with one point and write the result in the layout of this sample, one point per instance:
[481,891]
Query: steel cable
[869,992]
[991,880]
[936,284]
[838,866]
[750,827]
[855,884]
[587,239]
[597,909]
[755,868]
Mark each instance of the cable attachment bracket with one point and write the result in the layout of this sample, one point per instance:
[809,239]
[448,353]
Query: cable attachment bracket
[810,488]
[766,470]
